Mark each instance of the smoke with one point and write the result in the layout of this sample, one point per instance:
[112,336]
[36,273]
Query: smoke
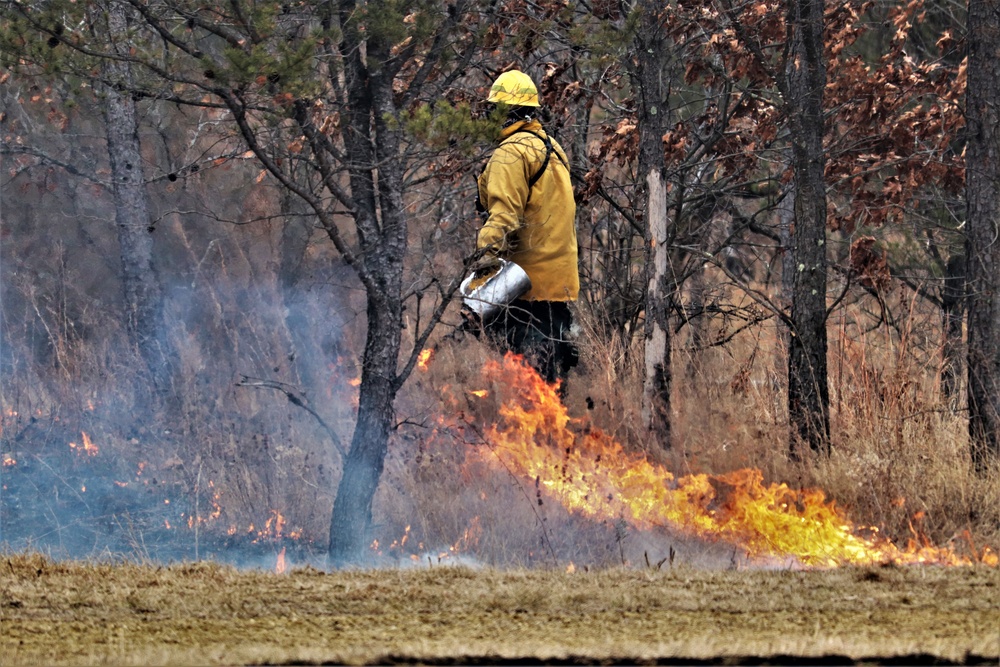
[195,471]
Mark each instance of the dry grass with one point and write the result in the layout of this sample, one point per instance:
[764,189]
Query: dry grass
[231,457]
[899,462]
[247,293]
[72,613]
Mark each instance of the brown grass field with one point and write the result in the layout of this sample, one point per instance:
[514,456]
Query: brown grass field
[74,613]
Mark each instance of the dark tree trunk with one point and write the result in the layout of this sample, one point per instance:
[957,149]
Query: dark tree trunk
[653,76]
[952,309]
[135,240]
[982,176]
[697,288]
[786,229]
[808,392]
[380,219]
[352,508]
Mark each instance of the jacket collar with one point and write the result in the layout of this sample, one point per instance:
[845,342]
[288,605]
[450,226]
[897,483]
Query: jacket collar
[529,125]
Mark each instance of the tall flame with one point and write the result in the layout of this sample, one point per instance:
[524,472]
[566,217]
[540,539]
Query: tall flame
[592,474]
[279,565]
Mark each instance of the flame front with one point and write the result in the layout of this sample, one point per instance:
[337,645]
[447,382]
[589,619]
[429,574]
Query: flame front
[591,474]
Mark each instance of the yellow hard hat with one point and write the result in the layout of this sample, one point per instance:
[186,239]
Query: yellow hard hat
[514,88]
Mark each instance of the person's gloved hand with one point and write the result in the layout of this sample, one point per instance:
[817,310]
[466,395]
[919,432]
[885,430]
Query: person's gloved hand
[485,265]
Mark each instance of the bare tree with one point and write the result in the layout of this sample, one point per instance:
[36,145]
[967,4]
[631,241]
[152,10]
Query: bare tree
[321,94]
[135,240]
[804,80]
[982,246]
[653,77]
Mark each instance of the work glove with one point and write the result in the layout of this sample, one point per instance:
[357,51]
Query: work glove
[485,266]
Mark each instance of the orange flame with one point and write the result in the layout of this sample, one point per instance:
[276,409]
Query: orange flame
[591,474]
[424,358]
[88,447]
[274,527]
[273,530]
[470,537]
[213,514]
[397,544]
[279,565]
[468,541]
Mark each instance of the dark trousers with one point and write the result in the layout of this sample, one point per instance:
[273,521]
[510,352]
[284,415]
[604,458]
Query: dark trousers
[540,331]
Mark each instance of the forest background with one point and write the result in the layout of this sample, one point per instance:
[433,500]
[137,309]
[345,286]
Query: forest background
[229,233]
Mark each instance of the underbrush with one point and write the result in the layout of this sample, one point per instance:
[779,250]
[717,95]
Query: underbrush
[225,464]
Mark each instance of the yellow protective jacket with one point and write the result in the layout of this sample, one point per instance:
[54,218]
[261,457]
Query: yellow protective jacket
[533,227]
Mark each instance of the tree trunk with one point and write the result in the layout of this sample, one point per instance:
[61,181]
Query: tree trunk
[982,247]
[135,240]
[697,324]
[383,239]
[652,76]
[786,229]
[352,508]
[952,309]
[808,392]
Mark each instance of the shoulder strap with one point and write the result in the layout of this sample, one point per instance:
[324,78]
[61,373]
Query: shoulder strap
[545,163]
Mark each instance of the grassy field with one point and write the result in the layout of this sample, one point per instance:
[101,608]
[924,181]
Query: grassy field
[68,613]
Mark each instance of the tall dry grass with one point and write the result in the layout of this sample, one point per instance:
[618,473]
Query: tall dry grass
[229,459]
[200,469]
[899,462]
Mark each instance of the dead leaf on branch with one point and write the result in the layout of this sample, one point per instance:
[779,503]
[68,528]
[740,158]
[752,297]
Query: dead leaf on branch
[870,265]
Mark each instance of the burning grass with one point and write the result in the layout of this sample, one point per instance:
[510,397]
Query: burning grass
[76,613]
[505,425]
[474,470]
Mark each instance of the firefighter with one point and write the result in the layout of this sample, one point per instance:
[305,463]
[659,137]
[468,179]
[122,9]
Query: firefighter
[526,200]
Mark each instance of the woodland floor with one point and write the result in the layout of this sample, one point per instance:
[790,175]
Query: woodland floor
[68,613]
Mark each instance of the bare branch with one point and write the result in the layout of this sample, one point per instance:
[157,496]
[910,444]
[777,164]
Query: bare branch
[7,149]
[295,397]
